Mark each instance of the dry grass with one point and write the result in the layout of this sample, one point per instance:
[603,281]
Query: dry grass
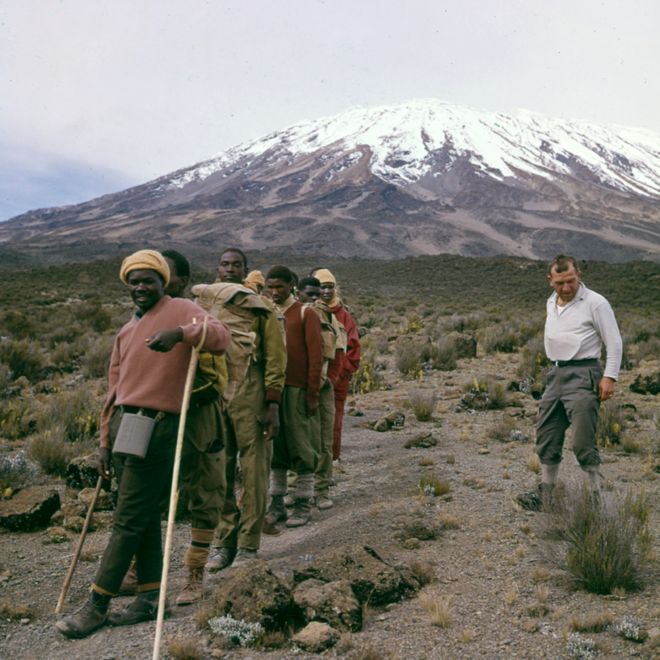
[185,648]
[451,459]
[15,611]
[467,635]
[540,575]
[541,593]
[533,464]
[512,594]
[593,622]
[449,521]
[424,571]
[439,609]
[426,461]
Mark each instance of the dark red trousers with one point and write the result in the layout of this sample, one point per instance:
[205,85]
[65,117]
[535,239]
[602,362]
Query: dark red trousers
[341,393]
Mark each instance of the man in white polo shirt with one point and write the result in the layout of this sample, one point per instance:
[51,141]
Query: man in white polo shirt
[579,323]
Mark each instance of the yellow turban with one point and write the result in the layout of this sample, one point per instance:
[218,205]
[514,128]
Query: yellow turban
[255,278]
[323,275]
[145,260]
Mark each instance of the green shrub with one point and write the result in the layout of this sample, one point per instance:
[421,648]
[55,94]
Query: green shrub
[52,452]
[507,337]
[423,404]
[95,316]
[408,359]
[533,367]
[430,485]
[23,357]
[607,539]
[611,421]
[17,324]
[441,355]
[16,419]
[96,358]
[75,412]
[484,394]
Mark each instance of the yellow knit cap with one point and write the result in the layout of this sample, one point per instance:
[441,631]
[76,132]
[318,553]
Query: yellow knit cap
[255,277]
[323,275]
[145,260]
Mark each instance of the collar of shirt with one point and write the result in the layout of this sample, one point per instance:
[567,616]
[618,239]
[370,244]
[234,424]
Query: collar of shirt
[287,303]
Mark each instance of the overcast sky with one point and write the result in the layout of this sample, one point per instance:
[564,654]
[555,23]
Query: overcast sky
[98,95]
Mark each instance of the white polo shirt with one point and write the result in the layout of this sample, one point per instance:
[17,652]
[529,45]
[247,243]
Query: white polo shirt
[579,330]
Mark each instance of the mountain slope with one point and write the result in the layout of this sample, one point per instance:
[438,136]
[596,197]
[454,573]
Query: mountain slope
[418,178]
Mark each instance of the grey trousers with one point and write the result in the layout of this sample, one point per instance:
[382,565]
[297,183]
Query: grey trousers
[570,399]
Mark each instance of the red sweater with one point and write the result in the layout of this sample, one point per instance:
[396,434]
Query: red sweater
[304,352]
[351,359]
[144,378]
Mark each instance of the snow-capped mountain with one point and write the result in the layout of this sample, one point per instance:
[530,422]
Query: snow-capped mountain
[417,178]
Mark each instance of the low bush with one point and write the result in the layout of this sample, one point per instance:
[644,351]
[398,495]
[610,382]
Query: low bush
[484,394]
[17,419]
[76,412]
[507,337]
[611,420]
[423,404]
[431,486]
[533,367]
[23,357]
[52,452]
[440,355]
[96,359]
[408,359]
[607,540]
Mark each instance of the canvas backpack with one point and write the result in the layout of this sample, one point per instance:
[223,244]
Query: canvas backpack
[237,307]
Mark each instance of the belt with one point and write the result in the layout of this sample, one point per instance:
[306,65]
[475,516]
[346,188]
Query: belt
[588,362]
[147,412]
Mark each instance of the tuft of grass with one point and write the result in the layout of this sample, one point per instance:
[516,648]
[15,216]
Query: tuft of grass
[449,521]
[439,609]
[484,394]
[534,464]
[467,635]
[451,459]
[15,611]
[593,622]
[423,571]
[426,461]
[607,541]
[540,575]
[512,594]
[423,404]
[185,648]
[501,431]
[541,593]
[430,485]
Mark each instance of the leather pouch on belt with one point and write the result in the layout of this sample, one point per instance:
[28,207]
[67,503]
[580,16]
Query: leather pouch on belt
[134,434]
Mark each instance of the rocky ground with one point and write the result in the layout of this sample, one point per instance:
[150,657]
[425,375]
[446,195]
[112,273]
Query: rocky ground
[485,556]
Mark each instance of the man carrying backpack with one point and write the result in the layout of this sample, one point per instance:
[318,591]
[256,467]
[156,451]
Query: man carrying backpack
[255,390]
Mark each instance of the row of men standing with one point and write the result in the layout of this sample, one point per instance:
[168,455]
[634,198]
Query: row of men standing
[285,411]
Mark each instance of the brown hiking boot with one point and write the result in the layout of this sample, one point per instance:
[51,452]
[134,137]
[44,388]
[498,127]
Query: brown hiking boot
[129,583]
[221,559]
[143,608]
[323,501]
[192,591]
[83,622]
[301,513]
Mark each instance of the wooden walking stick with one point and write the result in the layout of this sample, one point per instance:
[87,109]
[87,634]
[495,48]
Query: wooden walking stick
[81,540]
[174,492]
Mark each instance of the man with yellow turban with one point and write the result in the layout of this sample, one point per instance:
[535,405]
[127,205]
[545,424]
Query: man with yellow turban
[351,358]
[146,379]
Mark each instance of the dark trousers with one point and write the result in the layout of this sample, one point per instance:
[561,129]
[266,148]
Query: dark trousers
[136,527]
[570,399]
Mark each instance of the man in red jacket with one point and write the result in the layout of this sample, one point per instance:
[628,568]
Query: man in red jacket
[297,448]
[351,358]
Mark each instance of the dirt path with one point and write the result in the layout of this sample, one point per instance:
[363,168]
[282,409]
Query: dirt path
[488,558]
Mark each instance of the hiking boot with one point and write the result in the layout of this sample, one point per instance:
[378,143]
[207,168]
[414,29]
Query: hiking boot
[129,583]
[143,608]
[289,501]
[192,591]
[301,513]
[323,502]
[244,556]
[83,622]
[540,499]
[221,559]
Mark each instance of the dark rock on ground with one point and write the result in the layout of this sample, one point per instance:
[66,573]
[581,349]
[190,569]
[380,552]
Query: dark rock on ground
[333,603]
[255,594]
[30,509]
[395,420]
[82,473]
[646,384]
[423,441]
[373,580]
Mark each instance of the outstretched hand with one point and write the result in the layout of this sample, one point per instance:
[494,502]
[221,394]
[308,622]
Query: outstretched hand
[165,340]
